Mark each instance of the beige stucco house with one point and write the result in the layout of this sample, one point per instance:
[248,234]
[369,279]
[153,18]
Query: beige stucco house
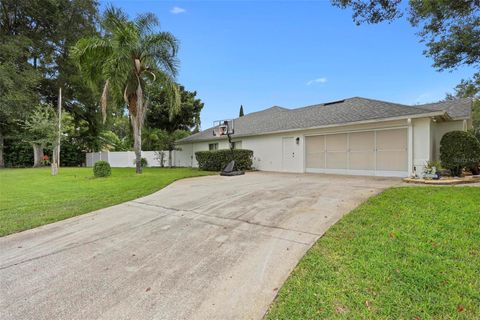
[355,136]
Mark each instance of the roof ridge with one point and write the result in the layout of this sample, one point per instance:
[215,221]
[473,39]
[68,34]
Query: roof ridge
[396,104]
[447,101]
[259,111]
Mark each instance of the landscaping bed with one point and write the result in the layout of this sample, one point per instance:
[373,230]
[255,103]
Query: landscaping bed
[444,180]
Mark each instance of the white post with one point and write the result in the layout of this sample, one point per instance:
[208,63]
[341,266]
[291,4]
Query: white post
[410,147]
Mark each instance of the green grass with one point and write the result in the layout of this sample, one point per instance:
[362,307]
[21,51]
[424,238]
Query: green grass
[409,253]
[32,197]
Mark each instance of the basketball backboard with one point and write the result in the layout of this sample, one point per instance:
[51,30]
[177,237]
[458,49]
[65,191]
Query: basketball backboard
[223,127]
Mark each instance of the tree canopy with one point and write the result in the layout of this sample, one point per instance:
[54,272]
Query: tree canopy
[160,114]
[449,28]
[126,58]
[35,40]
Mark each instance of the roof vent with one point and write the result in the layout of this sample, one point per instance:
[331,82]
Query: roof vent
[334,102]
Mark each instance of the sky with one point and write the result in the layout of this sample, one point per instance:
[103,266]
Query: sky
[292,54]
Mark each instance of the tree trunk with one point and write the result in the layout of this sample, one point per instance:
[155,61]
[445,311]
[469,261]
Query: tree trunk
[136,108]
[162,155]
[2,161]
[37,155]
[169,158]
[137,144]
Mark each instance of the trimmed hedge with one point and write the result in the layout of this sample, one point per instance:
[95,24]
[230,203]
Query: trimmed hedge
[19,154]
[216,160]
[459,150]
[102,169]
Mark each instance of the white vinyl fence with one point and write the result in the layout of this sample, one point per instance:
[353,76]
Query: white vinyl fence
[122,159]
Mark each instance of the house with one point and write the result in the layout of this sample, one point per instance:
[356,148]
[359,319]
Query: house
[356,136]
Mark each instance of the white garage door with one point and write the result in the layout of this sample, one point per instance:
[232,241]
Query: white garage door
[376,152]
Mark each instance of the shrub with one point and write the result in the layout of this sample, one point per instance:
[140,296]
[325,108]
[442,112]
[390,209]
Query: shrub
[102,169]
[459,150]
[143,162]
[71,154]
[216,160]
[17,154]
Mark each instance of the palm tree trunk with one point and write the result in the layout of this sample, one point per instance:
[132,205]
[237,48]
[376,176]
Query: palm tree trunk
[137,144]
[137,124]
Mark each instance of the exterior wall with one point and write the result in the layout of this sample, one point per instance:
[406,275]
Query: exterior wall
[268,152]
[125,159]
[423,143]
[268,149]
[422,147]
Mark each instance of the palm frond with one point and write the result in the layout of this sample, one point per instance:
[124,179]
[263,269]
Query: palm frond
[89,55]
[160,50]
[145,23]
[172,93]
[113,18]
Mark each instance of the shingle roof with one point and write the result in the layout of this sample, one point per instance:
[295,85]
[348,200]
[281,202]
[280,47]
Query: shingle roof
[456,109]
[337,113]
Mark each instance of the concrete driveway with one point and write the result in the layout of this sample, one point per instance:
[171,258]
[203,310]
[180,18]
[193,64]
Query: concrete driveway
[202,248]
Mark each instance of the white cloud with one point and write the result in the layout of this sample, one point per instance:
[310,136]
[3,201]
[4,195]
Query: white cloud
[177,10]
[318,80]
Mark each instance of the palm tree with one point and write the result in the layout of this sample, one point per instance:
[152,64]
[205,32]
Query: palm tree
[127,57]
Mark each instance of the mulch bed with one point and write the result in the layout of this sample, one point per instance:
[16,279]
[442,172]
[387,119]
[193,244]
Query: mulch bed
[445,180]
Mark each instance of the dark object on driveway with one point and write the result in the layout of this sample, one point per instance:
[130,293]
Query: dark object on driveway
[229,170]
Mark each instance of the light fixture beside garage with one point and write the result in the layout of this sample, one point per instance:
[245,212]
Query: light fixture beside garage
[297,140]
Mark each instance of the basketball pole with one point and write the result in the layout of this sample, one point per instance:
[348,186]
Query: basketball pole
[231,148]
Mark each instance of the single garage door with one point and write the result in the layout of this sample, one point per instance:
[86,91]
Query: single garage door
[375,152]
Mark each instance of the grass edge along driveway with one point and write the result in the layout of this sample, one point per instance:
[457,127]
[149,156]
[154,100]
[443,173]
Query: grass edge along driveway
[32,197]
[408,253]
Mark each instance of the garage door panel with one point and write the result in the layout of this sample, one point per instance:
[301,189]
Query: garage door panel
[336,142]
[395,139]
[362,141]
[315,152]
[392,160]
[315,143]
[371,151]
[336,160]
[362,160]
[316,160]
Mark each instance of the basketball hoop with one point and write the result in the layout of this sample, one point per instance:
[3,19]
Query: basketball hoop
[222,128]
[226,128]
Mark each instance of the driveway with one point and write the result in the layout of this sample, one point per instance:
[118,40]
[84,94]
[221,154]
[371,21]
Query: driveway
[202,248]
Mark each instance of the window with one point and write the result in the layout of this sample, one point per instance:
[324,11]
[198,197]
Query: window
[237,145]
[213,146]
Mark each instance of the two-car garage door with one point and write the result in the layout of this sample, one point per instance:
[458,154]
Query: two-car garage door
[376,152]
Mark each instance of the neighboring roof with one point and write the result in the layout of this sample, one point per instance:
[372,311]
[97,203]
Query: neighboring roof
[340,112]
[456,109]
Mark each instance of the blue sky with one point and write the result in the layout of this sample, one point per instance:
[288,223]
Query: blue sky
[292,54]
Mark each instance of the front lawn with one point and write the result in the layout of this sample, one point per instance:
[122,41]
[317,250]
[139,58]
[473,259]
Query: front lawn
[409,253]
[32,197]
